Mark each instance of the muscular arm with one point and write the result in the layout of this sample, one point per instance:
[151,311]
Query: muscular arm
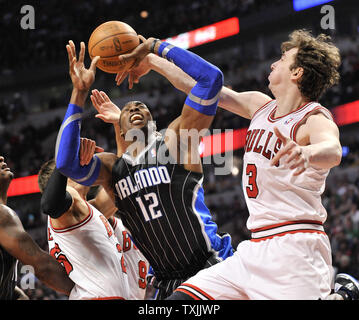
[244,104]
[17,242]
[201,102]
[68,139]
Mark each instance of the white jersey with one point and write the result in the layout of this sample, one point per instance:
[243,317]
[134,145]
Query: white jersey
[136,264]
[92,257]
[273,195]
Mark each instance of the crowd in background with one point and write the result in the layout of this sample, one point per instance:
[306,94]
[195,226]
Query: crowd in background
[32,49]
[25,150]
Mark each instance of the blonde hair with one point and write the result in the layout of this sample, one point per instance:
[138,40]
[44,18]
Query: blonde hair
[320,60]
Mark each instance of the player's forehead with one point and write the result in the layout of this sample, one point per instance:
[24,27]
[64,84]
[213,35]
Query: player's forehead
[290,52]
[134,103]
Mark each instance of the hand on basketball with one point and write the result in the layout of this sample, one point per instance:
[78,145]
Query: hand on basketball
[81,78]
[87,149]
[296,154]
[107,110]
[139,53]
[134,74]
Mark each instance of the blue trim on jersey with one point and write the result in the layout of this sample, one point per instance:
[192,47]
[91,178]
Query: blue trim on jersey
[220,244]
[150,271]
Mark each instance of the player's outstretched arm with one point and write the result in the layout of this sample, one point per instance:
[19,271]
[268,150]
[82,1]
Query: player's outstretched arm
[244,104]
[203,98]
[68,139]
[16,241]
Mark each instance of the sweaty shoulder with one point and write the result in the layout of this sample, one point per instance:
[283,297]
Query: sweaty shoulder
[7,215]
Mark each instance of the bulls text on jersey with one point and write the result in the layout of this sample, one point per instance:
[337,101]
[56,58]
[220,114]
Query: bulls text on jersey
[259,140]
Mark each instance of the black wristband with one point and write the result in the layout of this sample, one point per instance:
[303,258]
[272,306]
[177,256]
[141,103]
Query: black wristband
[153,45]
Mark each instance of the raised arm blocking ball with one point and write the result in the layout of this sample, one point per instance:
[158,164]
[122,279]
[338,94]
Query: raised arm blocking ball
[109,40]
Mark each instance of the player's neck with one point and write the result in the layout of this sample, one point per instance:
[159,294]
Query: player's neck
[3,197]
[4,186]
[288,102]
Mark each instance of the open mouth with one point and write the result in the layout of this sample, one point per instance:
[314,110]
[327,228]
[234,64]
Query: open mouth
[136,118]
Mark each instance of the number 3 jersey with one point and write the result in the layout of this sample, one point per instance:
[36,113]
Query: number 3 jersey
[273,195]
[92,257]
[162,205]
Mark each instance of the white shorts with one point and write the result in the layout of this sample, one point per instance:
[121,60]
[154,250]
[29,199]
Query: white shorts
[294,266]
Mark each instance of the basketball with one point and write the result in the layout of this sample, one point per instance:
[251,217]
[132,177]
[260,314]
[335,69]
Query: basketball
[109,40]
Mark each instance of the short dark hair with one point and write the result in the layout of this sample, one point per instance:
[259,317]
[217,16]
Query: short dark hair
[319,58]
[45,173]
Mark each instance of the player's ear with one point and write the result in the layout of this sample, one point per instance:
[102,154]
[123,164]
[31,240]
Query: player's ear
[297,73]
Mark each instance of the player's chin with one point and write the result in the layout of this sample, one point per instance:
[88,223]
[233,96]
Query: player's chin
[139,124]
[7,174]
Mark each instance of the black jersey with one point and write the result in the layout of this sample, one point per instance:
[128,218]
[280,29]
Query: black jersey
[162,205]
[7,275]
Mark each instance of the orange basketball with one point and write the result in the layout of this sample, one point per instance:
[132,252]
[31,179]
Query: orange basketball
[109,40]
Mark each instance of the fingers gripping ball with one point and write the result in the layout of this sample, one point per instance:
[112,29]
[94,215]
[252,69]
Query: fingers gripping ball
[109,40]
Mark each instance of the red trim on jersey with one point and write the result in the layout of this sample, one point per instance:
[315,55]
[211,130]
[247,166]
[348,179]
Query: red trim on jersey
[114,223]
[261,108]
[196,289]
[286,224]
[108,298]
[295,127]
[288,232]
[75,226]
[188,293]
[272,119]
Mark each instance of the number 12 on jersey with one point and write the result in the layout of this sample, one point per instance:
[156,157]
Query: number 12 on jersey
[148,207]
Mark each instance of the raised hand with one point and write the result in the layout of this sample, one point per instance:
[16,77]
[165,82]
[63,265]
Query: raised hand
[87,149]
[134,74]
[107,110]
[81,78]
[138,54]
[297,156]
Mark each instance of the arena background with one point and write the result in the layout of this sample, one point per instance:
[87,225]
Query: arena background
[35,89]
